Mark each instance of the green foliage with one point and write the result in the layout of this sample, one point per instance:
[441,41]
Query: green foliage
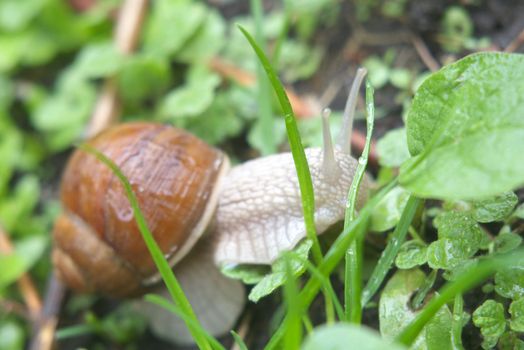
[516,309]
[466,121]
[339,335]
[411,254]
[459,238]
[388,211]
[489,317]
[395,312]
[280,270]
[11,335]
[510,283]
[496,208]
[392,148]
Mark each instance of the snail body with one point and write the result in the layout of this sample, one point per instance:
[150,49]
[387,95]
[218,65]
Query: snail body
[185,189]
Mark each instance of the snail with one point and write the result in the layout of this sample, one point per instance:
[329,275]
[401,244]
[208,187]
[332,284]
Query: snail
[202,214]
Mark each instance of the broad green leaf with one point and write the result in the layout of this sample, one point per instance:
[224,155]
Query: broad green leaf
[278,274]
[11,336]
[411,254]
[143,76]
[465,129]
[516,309]
[171,24]
[395,312]
[340,336]
[496,208]
[388,211]
[31,249]
[506,241]
[392,148]
[510,283]
[447,253]
[15,15]
[489,317]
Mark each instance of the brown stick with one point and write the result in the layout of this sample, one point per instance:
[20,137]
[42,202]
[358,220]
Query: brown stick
[515,43]
[25,283]
[127,30]
[424,53]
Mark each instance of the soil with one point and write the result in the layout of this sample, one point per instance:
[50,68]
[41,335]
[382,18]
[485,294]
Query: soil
[348,44]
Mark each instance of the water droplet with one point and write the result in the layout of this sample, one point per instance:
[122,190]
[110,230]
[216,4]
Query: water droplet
[125,214]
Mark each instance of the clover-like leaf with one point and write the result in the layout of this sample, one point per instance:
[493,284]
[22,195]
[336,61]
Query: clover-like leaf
[395,312]
[278,275]
[507,241]
[510,282]
[460,238]
[142,76]
[495,208]
[392,148]
[516,309]
[489,317]
[412,253]
[388,211]
[465,129]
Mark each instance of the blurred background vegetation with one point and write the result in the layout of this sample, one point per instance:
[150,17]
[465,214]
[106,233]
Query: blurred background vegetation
[194,69]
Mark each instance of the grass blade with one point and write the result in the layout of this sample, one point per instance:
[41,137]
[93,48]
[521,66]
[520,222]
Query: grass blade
[465,281]
[297,150]
[294,309]
[354,255]
[388,255]
[239,341]
[172,284]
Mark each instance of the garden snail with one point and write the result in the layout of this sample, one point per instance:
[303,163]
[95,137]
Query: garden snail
[184,187]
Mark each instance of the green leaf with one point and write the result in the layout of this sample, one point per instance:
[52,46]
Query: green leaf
[193,98]
[216,123]
[510,282]
[388,211]
[506,242]
[12,266]
[15,15]
[98,60]
[496,208]
[516,309]
[460,238]
[11,335]
[171,24]
[15,209]
[489,317]
[278,274]
[338,336]
[519,212]
[392,148]
[395,312]
[143,76]
[298,61]
[465,129]
[411,254]
[206,42]
[248,274]
[510,341]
